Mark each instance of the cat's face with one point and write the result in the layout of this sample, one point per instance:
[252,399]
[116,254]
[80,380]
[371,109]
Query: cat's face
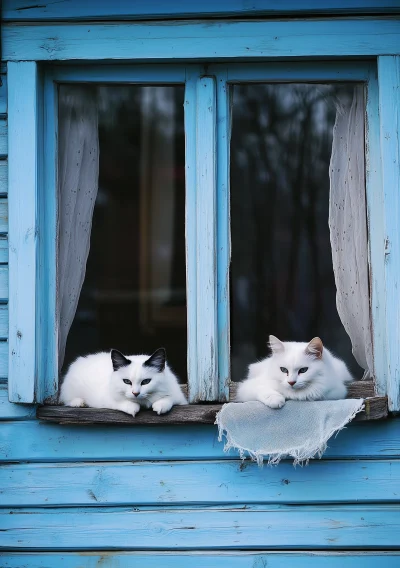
[297,365]
[138,376]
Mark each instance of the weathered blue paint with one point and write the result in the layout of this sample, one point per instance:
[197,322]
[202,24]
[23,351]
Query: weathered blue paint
[389,110]
[126,9]
[207,40]
[23,179]
[200,559]
[235,526]
[39,442]
[377,232]
[216,482]
[203,385]
[94,488]
[223,233]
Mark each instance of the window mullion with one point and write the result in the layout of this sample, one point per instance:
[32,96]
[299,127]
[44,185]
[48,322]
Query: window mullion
[201,239]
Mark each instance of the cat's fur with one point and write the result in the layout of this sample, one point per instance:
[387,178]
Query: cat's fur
[98,381]
[325,377]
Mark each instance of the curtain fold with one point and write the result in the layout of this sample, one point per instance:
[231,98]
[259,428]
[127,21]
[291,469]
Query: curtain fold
[348,228]
[78,174]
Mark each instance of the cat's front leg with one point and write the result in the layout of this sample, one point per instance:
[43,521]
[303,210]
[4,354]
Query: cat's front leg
[163,405]
[272,399]
[131,408]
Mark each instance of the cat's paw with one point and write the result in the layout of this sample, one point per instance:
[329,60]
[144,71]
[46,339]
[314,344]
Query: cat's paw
[274,401]
[162,405]
[131,408]
[77,403]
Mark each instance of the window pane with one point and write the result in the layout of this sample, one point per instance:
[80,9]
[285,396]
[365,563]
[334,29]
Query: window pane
[134,293]
[282,280]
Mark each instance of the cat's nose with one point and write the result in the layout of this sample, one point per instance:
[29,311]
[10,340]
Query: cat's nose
[135,393]
[291,383]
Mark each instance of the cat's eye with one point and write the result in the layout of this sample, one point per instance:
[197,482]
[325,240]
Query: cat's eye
[145,382]
[127,381]
[284,370]
[303,370]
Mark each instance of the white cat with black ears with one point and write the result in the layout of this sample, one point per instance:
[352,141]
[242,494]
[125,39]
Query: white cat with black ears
[295,371]
[119,382]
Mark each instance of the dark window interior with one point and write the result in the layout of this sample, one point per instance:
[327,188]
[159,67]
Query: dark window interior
[134,294]
[282,280]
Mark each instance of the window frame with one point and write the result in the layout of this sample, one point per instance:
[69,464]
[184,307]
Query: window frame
[29,356]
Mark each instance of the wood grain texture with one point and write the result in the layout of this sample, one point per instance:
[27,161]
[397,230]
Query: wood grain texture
[389,112]
[193,483]
[203,386]
[3,137]
[41,442]
[200,559]
[376,232]
[3,359]
[4,277]
[201,40]
[31,10]
[23,153]
[3,322]
[375,409]
[223,527]
[223,233]
[4,250]
[3,179]
[11,411]
[3,93]
[3,214]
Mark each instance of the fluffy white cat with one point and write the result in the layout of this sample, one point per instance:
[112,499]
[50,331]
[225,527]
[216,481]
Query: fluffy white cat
[111,380]
[295,371]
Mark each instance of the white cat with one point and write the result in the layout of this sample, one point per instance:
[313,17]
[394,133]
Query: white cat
[295,371]
[111,380]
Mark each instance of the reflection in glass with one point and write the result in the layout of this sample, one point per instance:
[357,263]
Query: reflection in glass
[282,279]
[134,294]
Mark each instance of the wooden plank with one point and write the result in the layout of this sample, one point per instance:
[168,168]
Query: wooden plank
[377,233]
[356,389]
[3,214]
[223,234]
[389,112]
[4,250]
[31,10]
[4,283]
[3,93]
[3,136]
[375,409]
[11,411]
[3,359]
[194,483]
[203,385]
[40,442]
[222,527]
[196,40]
[190,106]
[3,322]
[3,177]
[22,88]
[200,559]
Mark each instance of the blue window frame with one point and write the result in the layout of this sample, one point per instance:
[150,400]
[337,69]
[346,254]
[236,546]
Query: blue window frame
[33,132]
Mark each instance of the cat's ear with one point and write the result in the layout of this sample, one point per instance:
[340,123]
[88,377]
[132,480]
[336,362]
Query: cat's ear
[119,360]
[157,360]
[315,348]
[276,344]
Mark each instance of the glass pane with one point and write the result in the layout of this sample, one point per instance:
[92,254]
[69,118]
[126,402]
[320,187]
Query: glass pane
[134,293]
[282,280]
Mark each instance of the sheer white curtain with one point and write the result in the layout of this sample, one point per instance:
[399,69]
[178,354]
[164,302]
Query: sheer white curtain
[78,173]
[348,228]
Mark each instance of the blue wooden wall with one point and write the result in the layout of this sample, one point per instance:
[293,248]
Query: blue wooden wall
[119,496]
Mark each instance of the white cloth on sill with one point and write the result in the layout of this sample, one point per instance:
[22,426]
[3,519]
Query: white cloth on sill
[300,430]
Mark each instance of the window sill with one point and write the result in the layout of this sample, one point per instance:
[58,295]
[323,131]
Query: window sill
[375,409]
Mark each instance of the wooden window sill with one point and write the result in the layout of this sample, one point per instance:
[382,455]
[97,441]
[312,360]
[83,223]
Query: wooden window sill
[375,409]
